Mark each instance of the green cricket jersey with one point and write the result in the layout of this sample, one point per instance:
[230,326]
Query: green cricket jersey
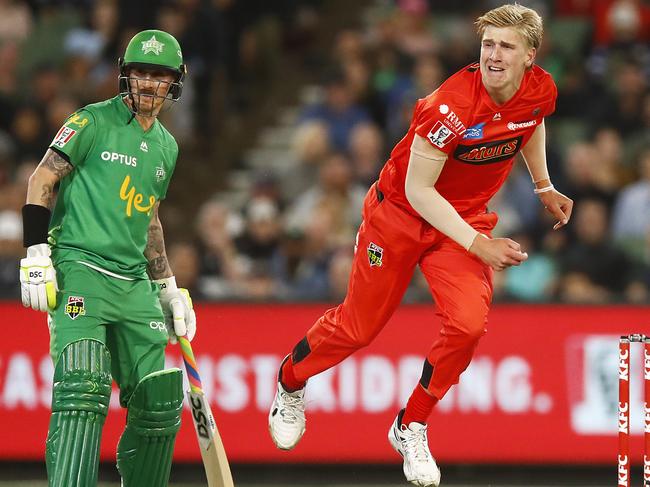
[105,204]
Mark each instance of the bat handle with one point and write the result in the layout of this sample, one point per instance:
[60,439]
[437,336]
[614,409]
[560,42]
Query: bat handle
[190,364]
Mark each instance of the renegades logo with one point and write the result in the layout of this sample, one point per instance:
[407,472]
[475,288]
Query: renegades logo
[488,152]
[75,307]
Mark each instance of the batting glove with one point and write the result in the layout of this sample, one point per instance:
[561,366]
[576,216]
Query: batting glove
[38,279]
[176,303]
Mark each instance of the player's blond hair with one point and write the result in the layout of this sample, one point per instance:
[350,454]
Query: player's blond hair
[524,19]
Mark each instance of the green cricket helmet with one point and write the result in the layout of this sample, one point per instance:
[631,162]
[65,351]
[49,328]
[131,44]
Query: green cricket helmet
[153,49]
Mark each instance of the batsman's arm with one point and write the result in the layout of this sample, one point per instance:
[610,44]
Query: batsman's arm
[37,275]
[51,169]
[176,303]
[158,265]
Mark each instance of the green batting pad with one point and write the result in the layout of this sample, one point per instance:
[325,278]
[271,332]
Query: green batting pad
[144,455]
[80,397]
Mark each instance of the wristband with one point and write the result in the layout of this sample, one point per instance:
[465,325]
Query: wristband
[36,221]
[545,189]
[166,284]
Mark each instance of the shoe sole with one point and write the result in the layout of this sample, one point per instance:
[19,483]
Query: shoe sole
[285,448]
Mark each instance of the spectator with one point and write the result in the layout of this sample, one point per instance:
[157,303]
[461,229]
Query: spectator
[15,21]
[581,171]
[631,217]
[309,148]
[537,280]
[367,153]
[185,259]
[260,240]
[338,111]
[219,267]
[334,191]
[593,269]
[311,281]
[339,274]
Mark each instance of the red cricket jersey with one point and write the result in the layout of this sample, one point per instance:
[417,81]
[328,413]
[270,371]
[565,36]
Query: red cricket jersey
[480,137]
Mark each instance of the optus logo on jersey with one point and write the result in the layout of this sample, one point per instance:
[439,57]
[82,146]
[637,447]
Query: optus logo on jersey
[121,158]
[133,199]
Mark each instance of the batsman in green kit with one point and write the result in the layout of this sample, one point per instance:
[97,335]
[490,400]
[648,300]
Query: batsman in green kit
[96,263]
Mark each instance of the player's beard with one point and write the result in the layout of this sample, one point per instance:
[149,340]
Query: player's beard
[147,103]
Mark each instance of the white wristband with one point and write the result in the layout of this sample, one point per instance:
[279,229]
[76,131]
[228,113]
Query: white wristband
[167,284]
[545,189]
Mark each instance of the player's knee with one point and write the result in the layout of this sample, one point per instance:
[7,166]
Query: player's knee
[363,338]
[154,419]
[82,378]
[157,401]
[471,325]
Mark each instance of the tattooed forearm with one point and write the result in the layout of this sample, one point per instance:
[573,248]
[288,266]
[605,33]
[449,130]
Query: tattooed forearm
[158,265]
[40,189]
[159,268]
[57,164]
[47,196]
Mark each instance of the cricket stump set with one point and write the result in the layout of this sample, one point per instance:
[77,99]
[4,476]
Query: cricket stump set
[624,408]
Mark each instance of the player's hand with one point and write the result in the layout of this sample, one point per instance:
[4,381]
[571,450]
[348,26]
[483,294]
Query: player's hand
[178,309]
[38,279]
[558,205]
[498,253]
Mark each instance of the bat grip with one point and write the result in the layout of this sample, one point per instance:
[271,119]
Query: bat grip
[193,376]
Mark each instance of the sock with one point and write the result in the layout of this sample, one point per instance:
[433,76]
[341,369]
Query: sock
[287,377]
[419,406]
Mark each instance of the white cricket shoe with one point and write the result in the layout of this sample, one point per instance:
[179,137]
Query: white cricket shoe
[411,442]
[287,418]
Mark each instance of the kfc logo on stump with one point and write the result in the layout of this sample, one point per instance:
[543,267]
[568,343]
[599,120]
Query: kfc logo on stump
[75,307]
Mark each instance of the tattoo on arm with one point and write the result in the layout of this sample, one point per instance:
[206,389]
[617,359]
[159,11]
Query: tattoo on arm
[155,253]
[51,170]
[47,196]
[57,164]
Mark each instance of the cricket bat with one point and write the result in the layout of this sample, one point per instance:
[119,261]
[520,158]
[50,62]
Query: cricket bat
[213,454]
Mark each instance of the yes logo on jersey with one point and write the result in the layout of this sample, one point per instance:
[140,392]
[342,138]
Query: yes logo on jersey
[134,199]
[75,307]
[440,135]
[75,119]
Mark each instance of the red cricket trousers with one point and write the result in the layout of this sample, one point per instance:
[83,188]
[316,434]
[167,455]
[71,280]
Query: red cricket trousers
[390,243]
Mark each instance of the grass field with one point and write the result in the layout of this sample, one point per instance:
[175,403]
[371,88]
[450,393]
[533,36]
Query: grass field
[287,475]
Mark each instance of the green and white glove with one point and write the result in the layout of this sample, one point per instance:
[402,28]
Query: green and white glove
[176,303]
[38,279]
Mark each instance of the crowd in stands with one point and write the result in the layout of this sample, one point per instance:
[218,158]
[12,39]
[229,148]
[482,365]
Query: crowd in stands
[294,237]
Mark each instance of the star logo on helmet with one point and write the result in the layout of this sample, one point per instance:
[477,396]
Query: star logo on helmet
[152,45]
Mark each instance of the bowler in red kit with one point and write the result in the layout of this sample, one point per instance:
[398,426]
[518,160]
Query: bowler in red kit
[429,208]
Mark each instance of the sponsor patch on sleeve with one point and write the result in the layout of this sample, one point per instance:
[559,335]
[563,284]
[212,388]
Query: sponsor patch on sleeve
[63,136]
[440,135]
